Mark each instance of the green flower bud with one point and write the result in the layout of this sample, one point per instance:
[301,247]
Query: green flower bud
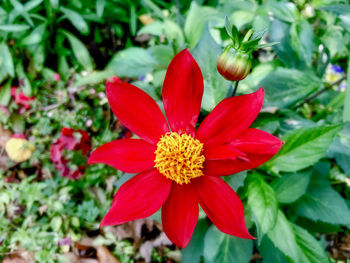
[234,64]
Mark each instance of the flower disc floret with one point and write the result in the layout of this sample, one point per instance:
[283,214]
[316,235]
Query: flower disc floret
[179,157]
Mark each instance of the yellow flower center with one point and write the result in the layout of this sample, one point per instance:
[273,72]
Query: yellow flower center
[179,157]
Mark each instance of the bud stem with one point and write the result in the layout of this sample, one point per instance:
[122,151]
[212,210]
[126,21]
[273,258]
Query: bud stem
[235,88]
[232,90]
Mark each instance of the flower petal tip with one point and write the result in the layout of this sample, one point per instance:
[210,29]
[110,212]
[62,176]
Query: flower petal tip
[112,80]
[261,92]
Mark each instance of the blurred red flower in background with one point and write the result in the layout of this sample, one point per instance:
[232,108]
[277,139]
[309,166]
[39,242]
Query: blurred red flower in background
[70,139]
[21,99]
[179,166]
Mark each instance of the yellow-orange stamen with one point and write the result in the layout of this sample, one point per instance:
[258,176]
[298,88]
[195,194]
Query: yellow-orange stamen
[179,157]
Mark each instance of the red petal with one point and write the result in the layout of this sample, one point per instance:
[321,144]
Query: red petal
[180,214]
[257,142]
[137,111]
[127,155]
[139,197]
[222,152]
[222,205]
[228,167]
[259,147]
[230,118]
[182,92]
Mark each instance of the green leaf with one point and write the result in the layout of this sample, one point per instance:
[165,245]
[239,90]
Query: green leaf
[270,44]
[309,246]
[5,94]
[27,87]
[93,78]
[291,187]
[282,236]
[6,62]
[76,19]
[195,22]
[340,150]
[270,253]
[284,87]
[302,41]
[132,62]
[304,147]
[100,6]
[333,40]
[169,29]
[236,180]
[207,53]
[14,28]
[258,34]
[223,248]
[35,36]
[162,54]
[133,19]
[280,32]
[194,251]
[80,51]
[175,34]
[284,11]
[323,203]
[228,27]
[339,9]
[346,113]
[263,204]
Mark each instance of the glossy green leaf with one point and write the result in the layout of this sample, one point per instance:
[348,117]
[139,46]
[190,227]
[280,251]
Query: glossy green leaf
[263,203]
[291,187]
[76,19]
[216,87]
[14,28]
[35,36]
[302,41]
[284,87]
[93,78]
[6,62]
[195,22]
[100,6]
[223,248]
[20,72]
[309,246]
[169,29]
[284,11]
[80,51]
[323,203]
[5,94]
[282,236]
[304,147]
[132,62]
[339,9]
[132,19]
[270,253]
[236,180]
[279,32]
[162,54]
[194,250]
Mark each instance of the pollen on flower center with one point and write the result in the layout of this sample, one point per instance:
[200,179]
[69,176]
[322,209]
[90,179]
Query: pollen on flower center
[179,157]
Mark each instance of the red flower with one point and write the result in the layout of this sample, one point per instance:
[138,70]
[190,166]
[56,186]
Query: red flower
[21,99]
[178,166]
[70,139]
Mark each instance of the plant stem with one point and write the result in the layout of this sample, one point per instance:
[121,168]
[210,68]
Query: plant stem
[235,89]
[315,95]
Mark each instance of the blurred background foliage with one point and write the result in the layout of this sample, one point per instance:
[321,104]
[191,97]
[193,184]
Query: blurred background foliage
[54,58]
